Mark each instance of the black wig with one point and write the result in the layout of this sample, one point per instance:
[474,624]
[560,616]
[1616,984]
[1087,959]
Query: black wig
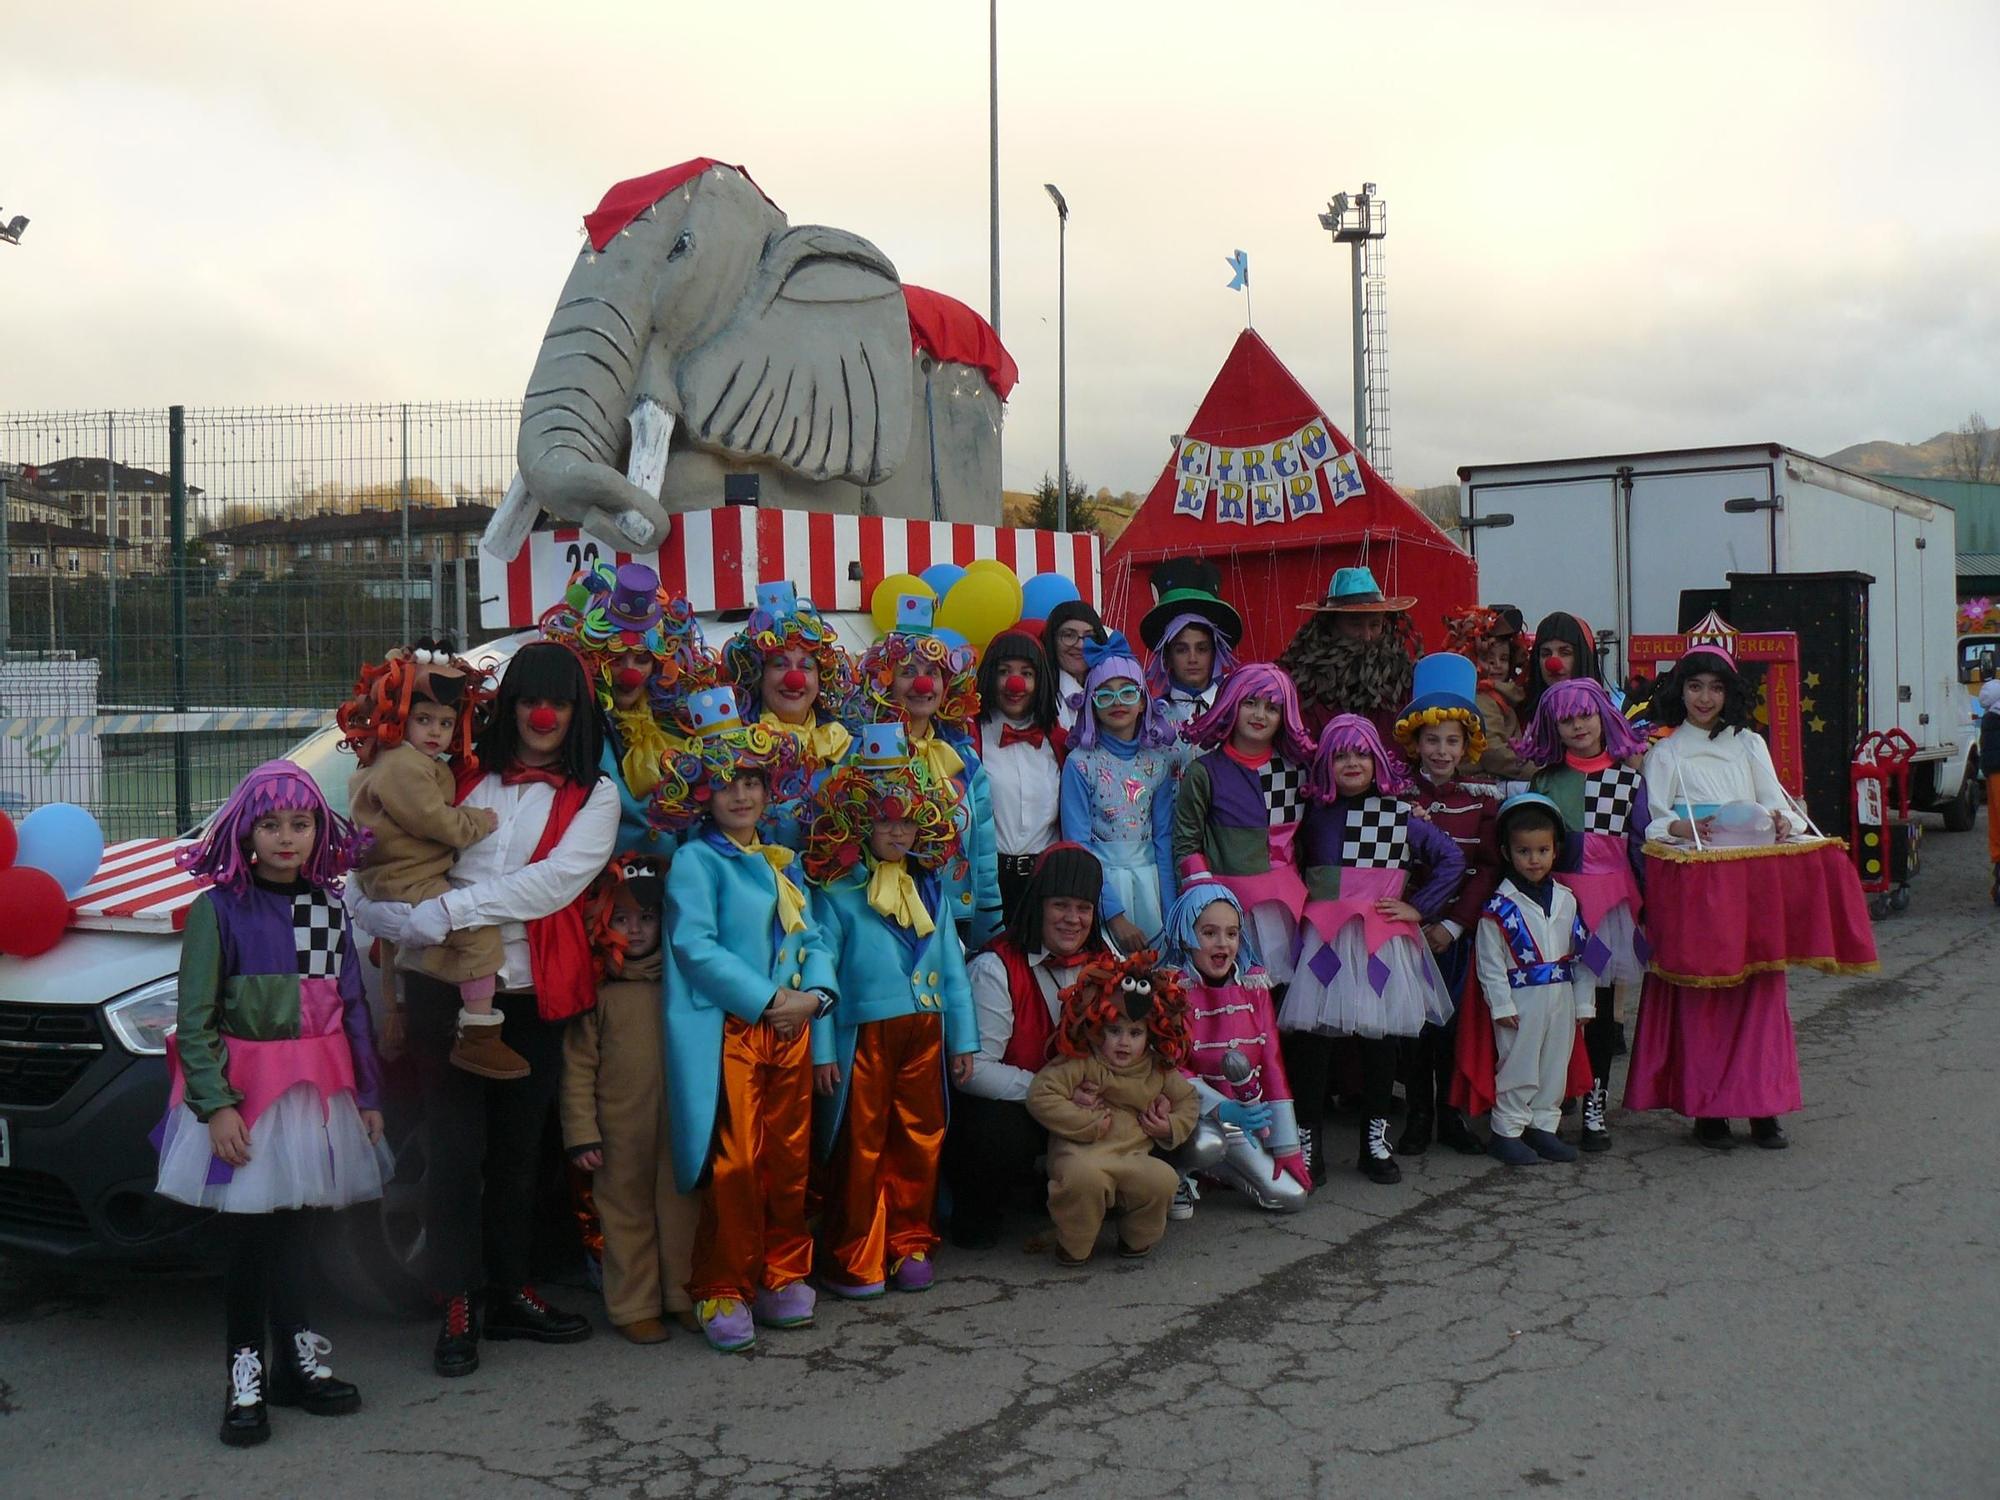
[1013,645]
[1739,703]
[1576,633]
[1063,870]
[544,669]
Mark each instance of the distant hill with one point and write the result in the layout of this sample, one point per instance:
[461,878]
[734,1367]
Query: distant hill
[1114,512]
[1930,459]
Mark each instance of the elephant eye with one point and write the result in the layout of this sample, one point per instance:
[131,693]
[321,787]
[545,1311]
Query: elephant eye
[683,243]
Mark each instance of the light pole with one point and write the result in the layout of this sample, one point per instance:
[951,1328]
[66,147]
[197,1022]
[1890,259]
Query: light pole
[993,158]
[1062,355]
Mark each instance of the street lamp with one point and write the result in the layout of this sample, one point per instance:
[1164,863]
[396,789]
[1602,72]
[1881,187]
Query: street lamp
[1062,354]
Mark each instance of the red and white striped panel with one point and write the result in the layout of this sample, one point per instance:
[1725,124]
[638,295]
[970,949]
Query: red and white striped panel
[138,888]
[716,558]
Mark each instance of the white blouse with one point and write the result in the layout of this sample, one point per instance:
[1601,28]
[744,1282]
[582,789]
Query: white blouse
[1690,768]
[1027,789]
[993,1005]
[496,884]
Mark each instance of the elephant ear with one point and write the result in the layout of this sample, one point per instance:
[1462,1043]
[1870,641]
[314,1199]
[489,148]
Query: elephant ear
[813,371]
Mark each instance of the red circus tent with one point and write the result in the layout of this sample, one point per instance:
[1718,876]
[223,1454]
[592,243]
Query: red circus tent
[1268,571]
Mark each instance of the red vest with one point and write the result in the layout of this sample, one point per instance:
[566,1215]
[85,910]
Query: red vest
[1032,1043]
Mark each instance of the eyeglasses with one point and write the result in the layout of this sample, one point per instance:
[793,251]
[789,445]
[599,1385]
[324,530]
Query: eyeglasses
[1110,697]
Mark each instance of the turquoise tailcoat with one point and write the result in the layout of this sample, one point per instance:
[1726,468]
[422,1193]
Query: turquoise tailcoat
[726,956]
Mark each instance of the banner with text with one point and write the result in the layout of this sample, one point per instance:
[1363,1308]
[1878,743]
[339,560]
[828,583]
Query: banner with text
[1289,480]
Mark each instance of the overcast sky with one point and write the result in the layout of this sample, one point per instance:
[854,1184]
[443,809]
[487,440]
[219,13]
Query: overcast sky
[1610,227]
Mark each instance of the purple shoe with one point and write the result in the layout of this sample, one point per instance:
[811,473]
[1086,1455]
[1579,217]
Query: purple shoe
[788,1307]
[914,1273]
[725,1322]
[850,1291]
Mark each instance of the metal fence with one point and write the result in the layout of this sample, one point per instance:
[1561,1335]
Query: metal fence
[188,590]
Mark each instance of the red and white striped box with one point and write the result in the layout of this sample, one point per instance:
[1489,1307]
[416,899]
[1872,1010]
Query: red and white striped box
[138,888]
[716,558]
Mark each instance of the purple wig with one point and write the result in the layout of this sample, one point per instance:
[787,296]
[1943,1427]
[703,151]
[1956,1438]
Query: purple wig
[1158,675]
[1257,680]
[222,854]
[1573,698]
[1352,732]
[1107,662]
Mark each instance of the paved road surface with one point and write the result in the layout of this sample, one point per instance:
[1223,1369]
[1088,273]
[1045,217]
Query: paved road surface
[1818,1322]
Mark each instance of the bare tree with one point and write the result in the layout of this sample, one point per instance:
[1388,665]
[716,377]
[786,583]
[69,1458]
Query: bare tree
[1972,453]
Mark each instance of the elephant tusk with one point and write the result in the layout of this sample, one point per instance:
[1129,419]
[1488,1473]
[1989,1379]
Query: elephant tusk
[652,431]
[511,522]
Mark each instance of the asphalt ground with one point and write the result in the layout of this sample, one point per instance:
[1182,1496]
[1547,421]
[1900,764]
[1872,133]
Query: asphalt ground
[1656,1321]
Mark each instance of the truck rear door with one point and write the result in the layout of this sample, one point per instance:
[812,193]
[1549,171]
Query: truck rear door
[1681,536]
[1559,552]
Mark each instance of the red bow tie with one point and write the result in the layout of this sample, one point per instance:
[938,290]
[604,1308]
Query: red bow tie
[1009,735]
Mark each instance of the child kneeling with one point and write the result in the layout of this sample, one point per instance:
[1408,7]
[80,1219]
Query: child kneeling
[1116,1096]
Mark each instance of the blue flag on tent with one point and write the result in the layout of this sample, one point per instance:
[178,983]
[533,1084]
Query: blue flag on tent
[1239,266]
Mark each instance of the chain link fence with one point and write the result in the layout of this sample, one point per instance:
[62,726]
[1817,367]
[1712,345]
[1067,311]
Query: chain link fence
[188,591]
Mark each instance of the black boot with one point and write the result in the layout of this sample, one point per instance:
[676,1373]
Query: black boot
[299,1379]
[1376,1161]
[1714,1134]
[244,1422]
[457,1348]
[1416,1137]
[1309,1148]
[1455,1133]
[521,1314]
[1595,1137]
[1767,1133]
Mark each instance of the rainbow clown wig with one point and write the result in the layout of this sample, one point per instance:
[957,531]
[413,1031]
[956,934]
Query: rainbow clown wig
[1273,685]
[607,610]
[376,717]
[721,749]
[1108,661]
[1349,733]
[784,622]
[914,640]
[1135,988]
[222,853]
[879,782]
[1178,940]
[1575,698]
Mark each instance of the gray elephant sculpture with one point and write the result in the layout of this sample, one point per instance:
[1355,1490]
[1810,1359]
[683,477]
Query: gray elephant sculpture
[700,335]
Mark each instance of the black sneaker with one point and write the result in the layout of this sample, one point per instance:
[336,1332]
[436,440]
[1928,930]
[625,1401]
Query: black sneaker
[1769,1134]
[1714,1134]
[302,1379]
[1309,1148]
[521,1314]
[244,1421]
[1376,1161]
[457,1349]
[1595,1137]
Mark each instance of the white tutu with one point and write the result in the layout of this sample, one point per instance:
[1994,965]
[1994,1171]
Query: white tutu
[1619,933]
[1273,931]
[1413,993]
[302,1155]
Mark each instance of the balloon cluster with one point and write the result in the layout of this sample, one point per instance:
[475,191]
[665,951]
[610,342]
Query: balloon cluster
[43,865]
[974,603]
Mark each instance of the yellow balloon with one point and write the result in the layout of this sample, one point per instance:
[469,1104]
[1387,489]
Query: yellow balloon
[882,603]
[981,605]
[990,565]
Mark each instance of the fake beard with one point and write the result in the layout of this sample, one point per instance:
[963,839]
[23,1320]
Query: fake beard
[1340,674]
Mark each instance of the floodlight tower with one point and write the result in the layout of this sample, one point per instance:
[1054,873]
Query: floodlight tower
[1361,222]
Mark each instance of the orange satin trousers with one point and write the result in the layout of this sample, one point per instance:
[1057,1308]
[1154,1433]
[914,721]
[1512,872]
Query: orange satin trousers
[882,1180]
[752,1232]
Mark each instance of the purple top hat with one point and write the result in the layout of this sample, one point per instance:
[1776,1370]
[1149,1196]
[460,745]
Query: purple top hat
[713,711]
[883,746]
[635,599]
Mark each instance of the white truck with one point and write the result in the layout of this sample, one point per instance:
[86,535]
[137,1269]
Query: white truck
[1616,539]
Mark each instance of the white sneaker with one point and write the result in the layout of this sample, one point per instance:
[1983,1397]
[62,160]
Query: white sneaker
[1185,1198]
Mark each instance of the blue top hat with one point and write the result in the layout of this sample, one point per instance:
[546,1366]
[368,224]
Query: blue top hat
[1355,590]
[914,613]
[777,600]
[713,711]
[883,746]
[1444,679]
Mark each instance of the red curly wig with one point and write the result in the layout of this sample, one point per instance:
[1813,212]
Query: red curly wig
[376,717]
[1110,989]
[624,878]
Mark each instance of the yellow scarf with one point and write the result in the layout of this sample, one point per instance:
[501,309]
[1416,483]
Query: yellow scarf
[824,744]
[943,761]
[646,746]
[893,893]
[791,900]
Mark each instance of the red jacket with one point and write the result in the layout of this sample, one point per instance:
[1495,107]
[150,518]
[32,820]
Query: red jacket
[1466,814]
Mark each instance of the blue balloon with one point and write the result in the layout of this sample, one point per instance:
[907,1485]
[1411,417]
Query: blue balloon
[941,576]
[952,638]
[1044,592]
[64,840]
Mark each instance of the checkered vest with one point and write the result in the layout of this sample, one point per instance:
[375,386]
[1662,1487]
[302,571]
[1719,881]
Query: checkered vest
[316,927]
[1284,787]
[1377,835]
[1608,796]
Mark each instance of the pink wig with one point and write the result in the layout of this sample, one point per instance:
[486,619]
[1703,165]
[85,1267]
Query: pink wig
[1573,698]
[1345,732]
[222,854]
[1257,680]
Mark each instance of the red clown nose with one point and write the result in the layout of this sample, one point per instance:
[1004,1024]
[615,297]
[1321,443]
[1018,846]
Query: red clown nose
[1554,666]
[1015,686]
[794,681]
[629,677]
[542,720]
[923,687]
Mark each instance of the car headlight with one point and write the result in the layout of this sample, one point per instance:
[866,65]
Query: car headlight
[142,1019]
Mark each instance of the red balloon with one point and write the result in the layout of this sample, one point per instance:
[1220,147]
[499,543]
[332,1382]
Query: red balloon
[9,841]
[37,911]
